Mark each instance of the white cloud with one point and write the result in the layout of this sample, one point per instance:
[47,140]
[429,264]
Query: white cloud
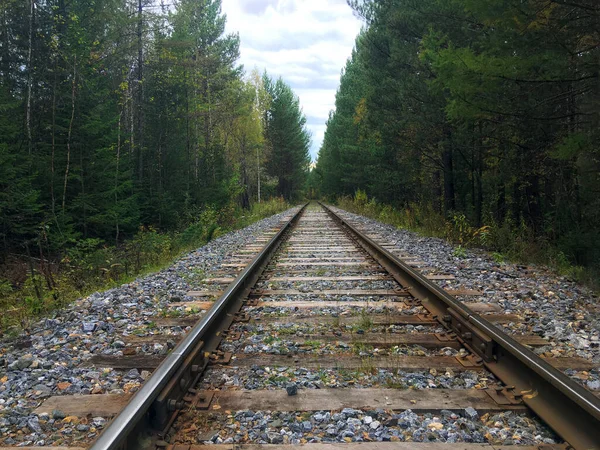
[306,42]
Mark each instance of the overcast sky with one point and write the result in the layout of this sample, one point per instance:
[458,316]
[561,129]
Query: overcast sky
[306,42]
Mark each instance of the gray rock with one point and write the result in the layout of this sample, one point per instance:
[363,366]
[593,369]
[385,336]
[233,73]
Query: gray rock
[42,388]
[471,413]
[594,385]
[354,422]
[292,389]
[99,421]
[57,414]
[207,435]
[22,363]
[89,327]
[275,438]
[34,425]
[133,373]
[349,412]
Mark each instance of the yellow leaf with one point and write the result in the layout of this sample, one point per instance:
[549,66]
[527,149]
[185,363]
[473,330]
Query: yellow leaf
[216,406]
[71,419]
[4,379]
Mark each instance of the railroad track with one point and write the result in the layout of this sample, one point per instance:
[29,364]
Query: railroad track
[318,335]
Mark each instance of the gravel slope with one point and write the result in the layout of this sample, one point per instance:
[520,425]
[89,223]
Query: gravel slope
[45,360]
[565,313]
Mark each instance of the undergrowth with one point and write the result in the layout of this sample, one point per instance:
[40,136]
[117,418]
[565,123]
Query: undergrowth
[506,241]
[91,265]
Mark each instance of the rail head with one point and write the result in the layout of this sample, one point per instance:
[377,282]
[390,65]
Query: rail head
[570,410]
[118,432]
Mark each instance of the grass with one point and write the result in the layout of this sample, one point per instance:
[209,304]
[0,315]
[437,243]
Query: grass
[394,384]
[361,347]
[91,265]
[506,241]
[366,322]
[194,276]
[367,366]
[270,339]
[312,344]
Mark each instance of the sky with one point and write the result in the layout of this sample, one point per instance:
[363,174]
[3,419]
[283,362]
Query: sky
[306,42]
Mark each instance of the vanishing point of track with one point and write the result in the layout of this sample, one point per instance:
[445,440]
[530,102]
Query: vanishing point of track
[390,308]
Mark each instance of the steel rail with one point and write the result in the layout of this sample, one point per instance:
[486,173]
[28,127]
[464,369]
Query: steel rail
[119,431]
[568,408]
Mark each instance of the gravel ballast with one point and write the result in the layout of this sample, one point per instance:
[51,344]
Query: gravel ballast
[550,305]
[49,359]
[45,360]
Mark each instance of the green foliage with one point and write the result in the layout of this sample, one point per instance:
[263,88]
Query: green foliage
[498,257]
[505,241]
[288,138]
[360,198]
[472,120]
[459,252]
[414,217]
[126,139]
[149,245]
[460,231]
[92,265]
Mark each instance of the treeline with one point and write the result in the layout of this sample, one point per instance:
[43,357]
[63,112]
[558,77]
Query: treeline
[479,112]
[121,114]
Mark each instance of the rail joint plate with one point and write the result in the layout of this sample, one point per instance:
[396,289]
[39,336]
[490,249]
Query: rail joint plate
[503,396]
[472,337]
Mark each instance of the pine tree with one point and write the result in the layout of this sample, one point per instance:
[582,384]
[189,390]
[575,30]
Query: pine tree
[287,137]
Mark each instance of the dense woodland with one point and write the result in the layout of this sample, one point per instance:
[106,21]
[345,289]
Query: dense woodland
[483,113]
[128,133]
[121,114]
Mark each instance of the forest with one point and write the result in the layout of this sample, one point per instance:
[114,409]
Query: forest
[473,119]
[129,131]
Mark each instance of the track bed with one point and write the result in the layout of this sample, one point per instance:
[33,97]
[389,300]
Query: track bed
[326,346]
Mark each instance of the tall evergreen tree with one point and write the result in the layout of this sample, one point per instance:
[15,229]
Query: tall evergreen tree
[287,137]
[482,108]
[117,114]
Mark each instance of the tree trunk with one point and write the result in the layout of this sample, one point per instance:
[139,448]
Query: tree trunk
[6,51]
[437,191]
[29,77]
[52,157]
[70,133]
[118,162]
[258,169]
[84,203]
[449,198]
[140,93]
[473,172]
[187,135]
[479,174]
